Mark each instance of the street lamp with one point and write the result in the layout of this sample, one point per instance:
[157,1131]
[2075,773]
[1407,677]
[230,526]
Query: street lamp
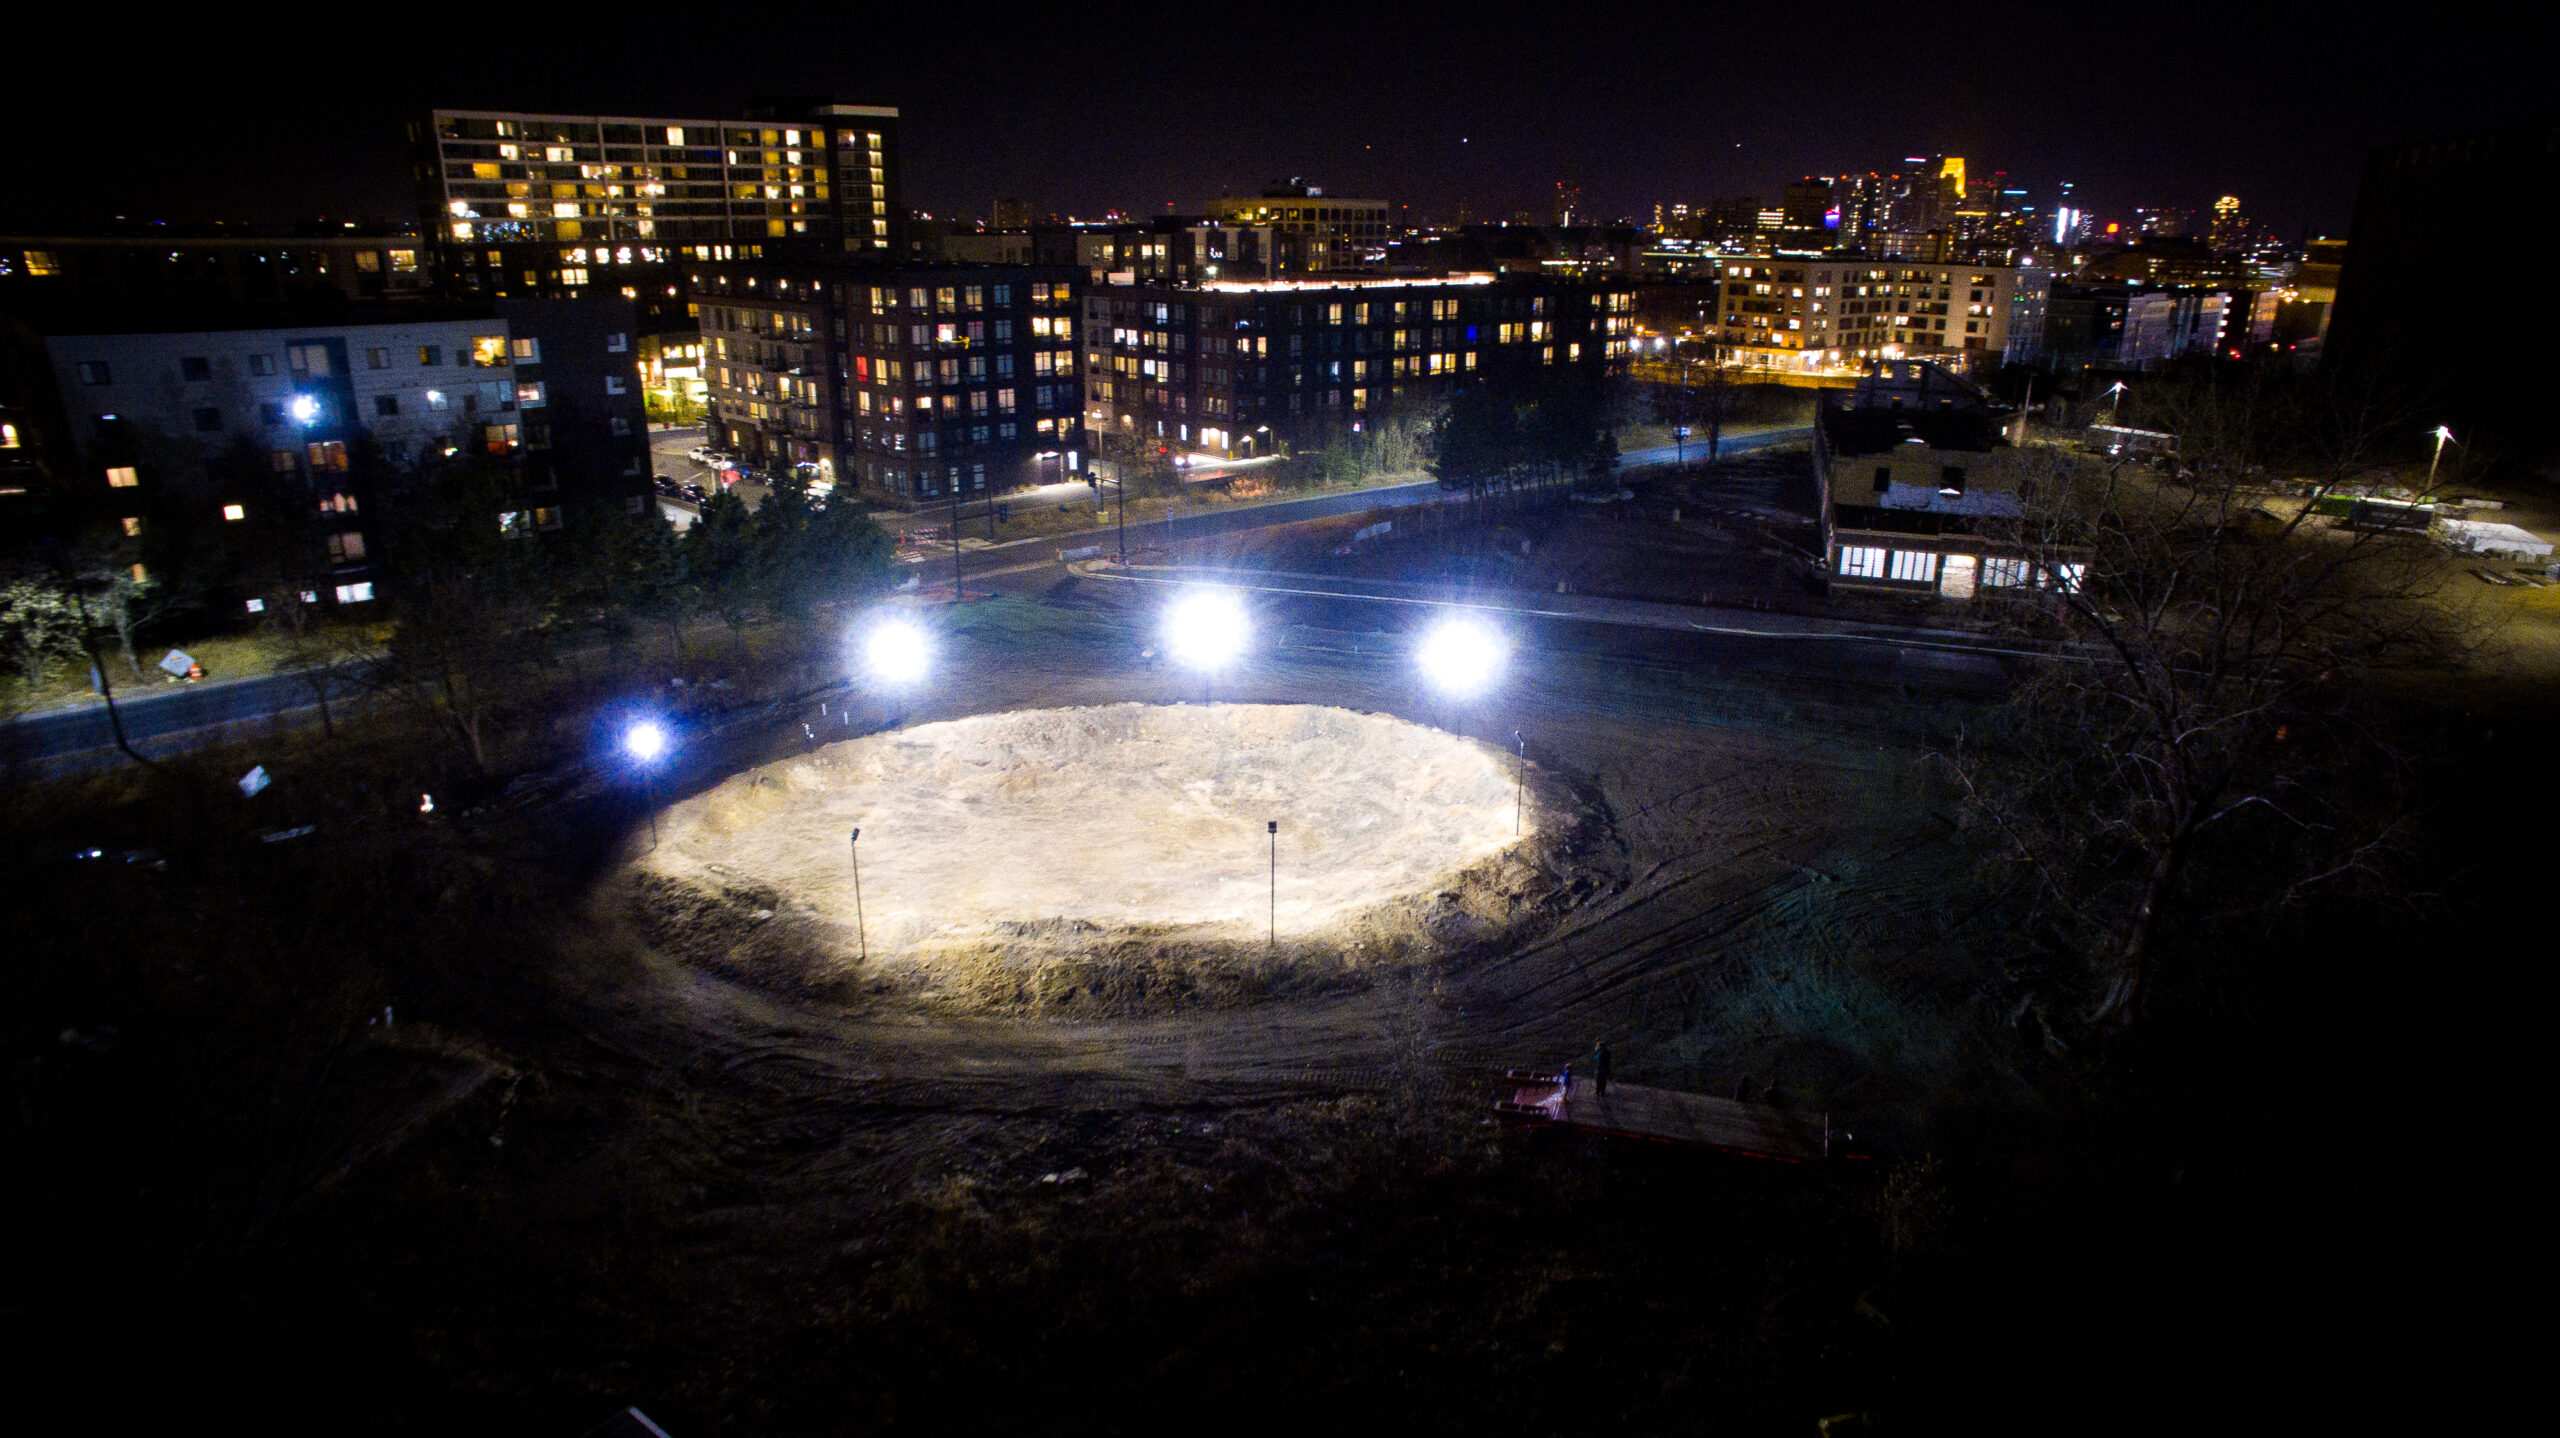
[2444,436]
[1206,629]
[897,653]
[305,409]
[2115,397]
[644,742]
[1461,657]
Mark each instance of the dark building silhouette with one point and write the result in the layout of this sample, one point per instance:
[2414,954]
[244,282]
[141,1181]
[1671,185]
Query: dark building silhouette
[2428,304]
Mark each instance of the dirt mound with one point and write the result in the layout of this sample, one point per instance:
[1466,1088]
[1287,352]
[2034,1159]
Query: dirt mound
[1112,857]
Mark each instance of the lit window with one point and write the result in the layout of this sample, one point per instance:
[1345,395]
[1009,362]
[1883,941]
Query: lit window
[355,593]
[234,512]
[132,525]
[123,477]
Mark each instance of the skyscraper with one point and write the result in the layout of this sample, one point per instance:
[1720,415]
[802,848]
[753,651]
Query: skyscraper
[2230,232]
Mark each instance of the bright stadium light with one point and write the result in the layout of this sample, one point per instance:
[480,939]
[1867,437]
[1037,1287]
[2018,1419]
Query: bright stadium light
[1461,657]
[1206,629]
[645,741]
[897,652]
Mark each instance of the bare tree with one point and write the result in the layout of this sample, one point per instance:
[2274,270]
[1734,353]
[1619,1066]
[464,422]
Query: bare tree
[2202,739]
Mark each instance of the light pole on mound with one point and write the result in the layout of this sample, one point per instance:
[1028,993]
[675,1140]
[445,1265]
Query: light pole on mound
[861,931]
[645,741]
[1519,780]
[1275,888]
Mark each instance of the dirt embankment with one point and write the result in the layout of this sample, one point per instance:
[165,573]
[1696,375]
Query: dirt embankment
[1114,858]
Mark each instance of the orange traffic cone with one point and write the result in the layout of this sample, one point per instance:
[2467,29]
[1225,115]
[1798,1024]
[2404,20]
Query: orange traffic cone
[195,672]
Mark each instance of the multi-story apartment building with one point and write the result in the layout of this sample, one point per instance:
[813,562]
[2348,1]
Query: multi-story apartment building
[1838,314]
[550,205]
[912,382]
[175,273]
[1335,233]
[1226,367]
[141,415]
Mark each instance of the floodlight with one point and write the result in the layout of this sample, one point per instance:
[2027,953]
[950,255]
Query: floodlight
[1461,657]
[305,409]
[645,741]
[897,652]
[1206,629]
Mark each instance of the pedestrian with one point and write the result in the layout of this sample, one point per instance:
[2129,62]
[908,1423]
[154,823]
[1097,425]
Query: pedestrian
[1565,1089]
[1600,1069]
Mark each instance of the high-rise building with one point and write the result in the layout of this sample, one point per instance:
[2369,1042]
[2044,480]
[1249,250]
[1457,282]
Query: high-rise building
[2230,233]
[525,204]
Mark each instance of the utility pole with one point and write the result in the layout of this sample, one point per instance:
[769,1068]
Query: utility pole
[956,594]
[1120,482]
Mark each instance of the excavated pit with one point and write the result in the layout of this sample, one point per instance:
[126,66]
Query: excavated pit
[1113,857]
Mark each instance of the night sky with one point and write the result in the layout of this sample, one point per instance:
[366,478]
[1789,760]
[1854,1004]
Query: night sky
[1078,111]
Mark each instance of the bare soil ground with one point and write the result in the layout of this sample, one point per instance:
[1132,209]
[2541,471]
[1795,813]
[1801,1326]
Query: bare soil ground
[1111,857]
[753,1199]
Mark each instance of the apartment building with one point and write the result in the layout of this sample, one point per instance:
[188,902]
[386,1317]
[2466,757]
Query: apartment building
[1223,368]
[1839,314]
[143,415]
[525,204]
[911,382]
[202,272]
[1333,233]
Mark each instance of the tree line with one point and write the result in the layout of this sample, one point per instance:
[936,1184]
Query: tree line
[477,583]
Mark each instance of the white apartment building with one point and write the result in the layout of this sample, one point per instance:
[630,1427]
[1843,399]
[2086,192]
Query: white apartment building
[1815,315]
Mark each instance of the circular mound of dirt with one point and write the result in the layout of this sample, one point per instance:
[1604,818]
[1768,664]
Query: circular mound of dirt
[1113,856]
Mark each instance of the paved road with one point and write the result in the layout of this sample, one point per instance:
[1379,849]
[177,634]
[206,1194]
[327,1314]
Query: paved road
[166,720]
[1031,564]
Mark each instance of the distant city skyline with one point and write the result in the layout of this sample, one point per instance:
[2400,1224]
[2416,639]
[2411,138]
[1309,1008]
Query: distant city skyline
[194,120]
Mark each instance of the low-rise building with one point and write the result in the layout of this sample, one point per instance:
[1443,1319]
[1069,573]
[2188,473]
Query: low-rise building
[179,273]
[1920,492]
[1331,232]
